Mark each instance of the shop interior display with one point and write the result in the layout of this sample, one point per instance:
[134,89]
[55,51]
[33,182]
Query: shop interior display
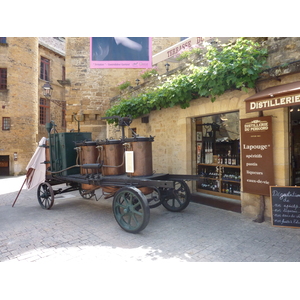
[218,154]
[295,144]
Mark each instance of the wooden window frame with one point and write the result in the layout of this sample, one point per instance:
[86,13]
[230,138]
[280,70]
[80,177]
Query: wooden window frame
[45,69]
[3,78]
[44,114]
[6,123]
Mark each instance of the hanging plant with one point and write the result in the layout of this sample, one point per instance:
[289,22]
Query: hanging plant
[236,66]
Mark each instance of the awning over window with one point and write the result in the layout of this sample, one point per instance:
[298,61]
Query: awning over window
[274,97]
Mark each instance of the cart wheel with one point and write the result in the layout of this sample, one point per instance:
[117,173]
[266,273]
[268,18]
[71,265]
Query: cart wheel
[86,194]
[45,195]
[131,209]
[178,198]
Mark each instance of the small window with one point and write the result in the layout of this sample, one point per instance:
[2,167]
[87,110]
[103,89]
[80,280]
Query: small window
[3,79]
[63,71]
[5,123]
[63,115]
[45,69]
[44,111]
[3,40]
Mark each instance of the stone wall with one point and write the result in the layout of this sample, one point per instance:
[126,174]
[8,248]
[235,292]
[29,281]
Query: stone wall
[283,50]
[57,62]
[20,102]
[91,89]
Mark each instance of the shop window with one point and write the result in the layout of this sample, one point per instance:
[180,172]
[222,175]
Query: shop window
[3,78]
[218,154]
[44,111]
[5,123]
[45,69]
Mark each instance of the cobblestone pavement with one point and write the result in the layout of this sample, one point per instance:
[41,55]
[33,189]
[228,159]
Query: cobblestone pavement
[80,230]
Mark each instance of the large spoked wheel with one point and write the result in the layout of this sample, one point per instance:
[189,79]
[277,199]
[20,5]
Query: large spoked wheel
[131,209]
[45,195]
[178,198]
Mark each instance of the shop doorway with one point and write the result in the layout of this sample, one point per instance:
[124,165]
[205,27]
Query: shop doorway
[295,145]
[4,165]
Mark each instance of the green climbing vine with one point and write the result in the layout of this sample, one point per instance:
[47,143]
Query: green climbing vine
[235,66]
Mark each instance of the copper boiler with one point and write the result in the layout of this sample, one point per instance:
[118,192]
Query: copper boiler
[88,154]
[112,156]
[142,152]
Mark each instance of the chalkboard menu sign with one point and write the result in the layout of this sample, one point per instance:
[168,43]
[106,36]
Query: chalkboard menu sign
[285,203]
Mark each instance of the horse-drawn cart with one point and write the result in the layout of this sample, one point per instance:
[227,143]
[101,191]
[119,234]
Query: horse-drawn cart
[121,168]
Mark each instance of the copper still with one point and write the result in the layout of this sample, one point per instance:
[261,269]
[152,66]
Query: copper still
[142,149]
[112,156]
[87,154]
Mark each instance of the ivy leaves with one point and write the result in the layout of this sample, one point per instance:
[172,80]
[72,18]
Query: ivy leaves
[235,66]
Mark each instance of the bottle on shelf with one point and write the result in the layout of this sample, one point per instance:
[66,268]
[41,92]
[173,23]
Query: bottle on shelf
[223,188]
[225,158]
[219,159]
[229,157]
[233,160]
[210,153]
[207,154]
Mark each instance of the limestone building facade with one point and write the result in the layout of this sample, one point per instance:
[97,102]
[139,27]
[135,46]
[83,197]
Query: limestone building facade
[26,64]
[176,130]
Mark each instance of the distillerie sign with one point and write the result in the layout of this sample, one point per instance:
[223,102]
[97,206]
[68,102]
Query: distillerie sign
[257,155]
[271,103]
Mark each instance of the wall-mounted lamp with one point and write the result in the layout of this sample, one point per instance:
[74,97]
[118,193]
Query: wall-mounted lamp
[47,90]
[15,156]
[137,81]
[78,118]
[167,67]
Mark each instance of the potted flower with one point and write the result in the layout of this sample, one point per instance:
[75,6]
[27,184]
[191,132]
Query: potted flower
[123,85]
[147,73]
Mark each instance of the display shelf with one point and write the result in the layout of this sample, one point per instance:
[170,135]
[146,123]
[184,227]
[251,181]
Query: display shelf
[219,179]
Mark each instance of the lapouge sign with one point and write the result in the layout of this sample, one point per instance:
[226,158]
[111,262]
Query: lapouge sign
[257,155]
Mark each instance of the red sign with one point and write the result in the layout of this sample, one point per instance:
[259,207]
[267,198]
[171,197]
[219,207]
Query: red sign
[257,155]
